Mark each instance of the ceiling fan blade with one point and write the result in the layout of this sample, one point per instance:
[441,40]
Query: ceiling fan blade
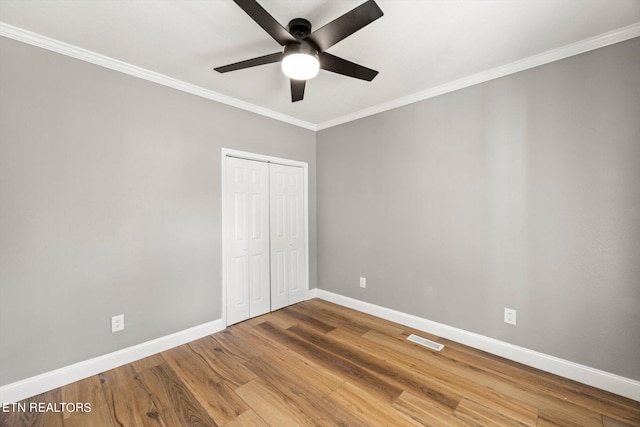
[345,25]
[266,21]
[261,60]
[297,89]
[342,66]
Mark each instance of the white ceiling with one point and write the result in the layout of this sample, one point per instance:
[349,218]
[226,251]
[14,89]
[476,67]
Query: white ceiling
[420,47]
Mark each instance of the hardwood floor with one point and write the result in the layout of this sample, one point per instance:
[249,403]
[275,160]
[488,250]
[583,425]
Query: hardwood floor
[316,363]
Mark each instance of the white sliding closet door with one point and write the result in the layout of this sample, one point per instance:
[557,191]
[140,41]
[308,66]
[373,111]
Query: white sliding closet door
[287,235]
[247,213]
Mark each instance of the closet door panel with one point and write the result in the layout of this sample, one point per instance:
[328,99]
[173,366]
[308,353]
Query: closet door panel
[287,236]
[247,207]
[258,233]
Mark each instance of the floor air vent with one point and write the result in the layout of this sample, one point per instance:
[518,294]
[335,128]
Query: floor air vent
[425,342]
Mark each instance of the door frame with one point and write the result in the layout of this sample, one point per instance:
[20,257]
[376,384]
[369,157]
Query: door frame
[227,152]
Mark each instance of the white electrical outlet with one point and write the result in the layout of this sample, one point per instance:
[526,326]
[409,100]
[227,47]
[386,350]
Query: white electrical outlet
[510,316]
[363,282]
[117,323]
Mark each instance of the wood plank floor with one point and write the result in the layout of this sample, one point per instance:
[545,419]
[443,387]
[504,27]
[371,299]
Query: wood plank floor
[319,364]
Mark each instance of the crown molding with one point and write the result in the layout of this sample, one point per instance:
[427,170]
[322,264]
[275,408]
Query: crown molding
[591,43]
[76,52]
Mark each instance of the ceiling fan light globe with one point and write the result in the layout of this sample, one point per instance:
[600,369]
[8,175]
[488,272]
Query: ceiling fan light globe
[300,66]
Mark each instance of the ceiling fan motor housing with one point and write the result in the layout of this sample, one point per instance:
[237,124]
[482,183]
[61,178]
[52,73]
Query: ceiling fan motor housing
[299,28]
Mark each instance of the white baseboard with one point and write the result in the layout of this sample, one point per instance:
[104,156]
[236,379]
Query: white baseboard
[33,386]
[603,380]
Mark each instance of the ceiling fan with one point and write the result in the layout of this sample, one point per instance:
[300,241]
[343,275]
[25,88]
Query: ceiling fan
[304,51]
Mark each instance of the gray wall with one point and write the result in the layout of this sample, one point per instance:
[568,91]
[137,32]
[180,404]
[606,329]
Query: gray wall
[522,192]
[110,203]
